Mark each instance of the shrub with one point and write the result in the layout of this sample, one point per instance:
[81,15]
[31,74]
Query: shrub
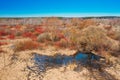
[43,37]
[7,31]
[62,43]
[86,23]
[48,37]
[1,50]
[27,34]
[72,35]
[39,30]
[3,33]
[18,33]
[54,37]
[30,30]
[115,35]
[11,36]
[60,35]
[34,38]
[36,33]
[2,38]
[2,43]
[25,45]
[93,38]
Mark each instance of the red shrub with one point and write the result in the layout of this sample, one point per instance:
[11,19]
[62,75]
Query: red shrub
[3,33]
[39,30]
[30,35]
[2,43]
[27,34]
[11,36]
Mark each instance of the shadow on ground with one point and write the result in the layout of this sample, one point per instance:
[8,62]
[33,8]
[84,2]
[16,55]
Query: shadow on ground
[94,63]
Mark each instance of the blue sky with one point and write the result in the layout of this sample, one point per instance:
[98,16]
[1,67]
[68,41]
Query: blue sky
[21,8]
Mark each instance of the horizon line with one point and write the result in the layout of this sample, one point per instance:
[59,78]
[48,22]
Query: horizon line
[62,15]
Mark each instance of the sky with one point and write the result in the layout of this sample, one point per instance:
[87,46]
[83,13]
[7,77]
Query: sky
[62,8]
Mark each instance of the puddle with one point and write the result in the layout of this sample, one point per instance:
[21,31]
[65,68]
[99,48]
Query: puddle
[44,61]
[92,61]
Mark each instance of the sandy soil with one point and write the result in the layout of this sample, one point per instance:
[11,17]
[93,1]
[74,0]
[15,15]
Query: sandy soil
[14,67]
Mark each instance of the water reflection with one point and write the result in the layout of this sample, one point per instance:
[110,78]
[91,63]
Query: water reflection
[44,61]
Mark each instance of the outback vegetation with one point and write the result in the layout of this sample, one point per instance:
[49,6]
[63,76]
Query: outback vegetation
[55,37]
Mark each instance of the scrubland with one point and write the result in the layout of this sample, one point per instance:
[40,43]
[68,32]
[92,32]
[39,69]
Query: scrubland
[58,35]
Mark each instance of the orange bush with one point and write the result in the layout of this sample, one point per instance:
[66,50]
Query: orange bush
[26,45]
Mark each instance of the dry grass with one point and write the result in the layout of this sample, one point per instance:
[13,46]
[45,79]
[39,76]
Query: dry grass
[43,37]
[1,50]
[54,37]
[71,66]
[93,38]
[25,45]
[48,36]
[115,35]
[62,43]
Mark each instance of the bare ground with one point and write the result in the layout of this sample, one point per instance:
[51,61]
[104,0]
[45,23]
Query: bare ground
[14,67]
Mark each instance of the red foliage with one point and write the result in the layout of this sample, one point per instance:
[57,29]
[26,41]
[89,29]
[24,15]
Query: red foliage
[11,36]
[39,30]
[27,34]
[2,43]
[30,35]
[2,33]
